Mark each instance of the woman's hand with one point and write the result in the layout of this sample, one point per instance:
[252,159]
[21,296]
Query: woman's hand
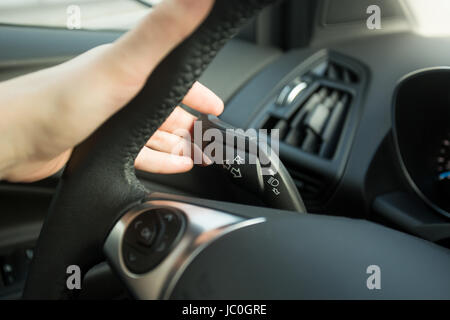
[43,115]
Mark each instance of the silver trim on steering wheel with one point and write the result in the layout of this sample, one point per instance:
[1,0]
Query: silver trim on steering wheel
[203,226]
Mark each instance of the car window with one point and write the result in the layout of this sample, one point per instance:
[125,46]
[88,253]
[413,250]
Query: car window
[75,14]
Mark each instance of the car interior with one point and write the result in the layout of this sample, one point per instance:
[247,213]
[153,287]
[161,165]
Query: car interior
[363,120]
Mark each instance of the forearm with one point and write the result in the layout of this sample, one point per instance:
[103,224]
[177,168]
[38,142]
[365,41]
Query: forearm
[26,104]
[45,114]
[9,152]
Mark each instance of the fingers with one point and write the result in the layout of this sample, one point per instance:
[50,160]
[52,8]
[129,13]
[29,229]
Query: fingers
[199,98]
[174,135]
[203,100]
[179,122]
[169,23]
[170,143]
[160,162]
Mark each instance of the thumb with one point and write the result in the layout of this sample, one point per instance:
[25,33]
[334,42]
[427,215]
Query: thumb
[167,25]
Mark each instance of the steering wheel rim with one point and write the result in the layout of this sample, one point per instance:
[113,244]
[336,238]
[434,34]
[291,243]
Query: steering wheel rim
[99,183]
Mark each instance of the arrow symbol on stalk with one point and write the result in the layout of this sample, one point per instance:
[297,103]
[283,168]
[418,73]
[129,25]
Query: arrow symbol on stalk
[236,173]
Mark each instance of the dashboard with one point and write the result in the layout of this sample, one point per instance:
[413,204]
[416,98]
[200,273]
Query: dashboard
[388,159]
[370,182]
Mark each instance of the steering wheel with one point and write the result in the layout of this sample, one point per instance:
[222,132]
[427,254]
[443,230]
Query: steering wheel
[234,251]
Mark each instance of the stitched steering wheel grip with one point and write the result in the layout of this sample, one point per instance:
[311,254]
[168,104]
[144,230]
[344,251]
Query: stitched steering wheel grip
[99,182]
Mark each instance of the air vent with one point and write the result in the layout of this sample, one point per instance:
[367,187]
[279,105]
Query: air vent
[316,125]
[335,72]
[312,110]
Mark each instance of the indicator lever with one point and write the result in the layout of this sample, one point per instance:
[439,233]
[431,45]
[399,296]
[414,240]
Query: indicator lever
[249,162]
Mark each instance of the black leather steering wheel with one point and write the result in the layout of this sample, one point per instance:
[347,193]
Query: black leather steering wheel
[99,186]
[99,182]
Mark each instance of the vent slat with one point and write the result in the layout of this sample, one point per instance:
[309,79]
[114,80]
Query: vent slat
[293,137]
[283,126]
[315,126]
[334,126]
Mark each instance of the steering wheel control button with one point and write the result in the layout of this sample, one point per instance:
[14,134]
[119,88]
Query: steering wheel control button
[171,222]
[150,237]
[172,225]
[134,259]
[131,256]
[8,274]
[144,229]
[146,236]
[146,233]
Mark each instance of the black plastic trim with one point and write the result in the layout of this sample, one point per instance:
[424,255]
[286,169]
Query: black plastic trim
[331,170]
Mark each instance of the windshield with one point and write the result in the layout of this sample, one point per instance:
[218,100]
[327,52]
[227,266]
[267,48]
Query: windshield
[430,18]
[75,14]
[426,19]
